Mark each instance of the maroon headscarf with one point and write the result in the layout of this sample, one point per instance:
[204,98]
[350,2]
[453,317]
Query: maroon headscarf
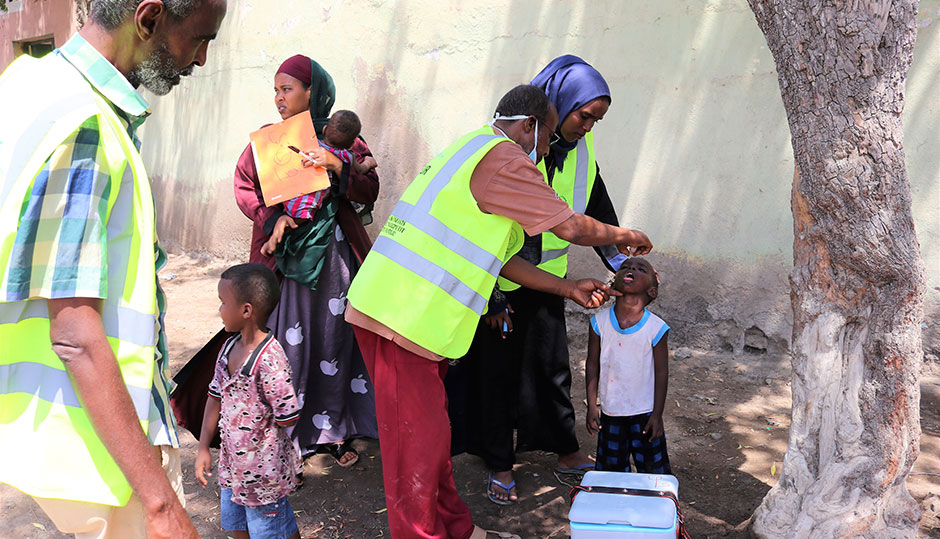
[297,66]
[322,90]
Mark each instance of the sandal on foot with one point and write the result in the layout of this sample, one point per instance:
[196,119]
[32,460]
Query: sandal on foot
[492,495]
[341,450]
[580,469]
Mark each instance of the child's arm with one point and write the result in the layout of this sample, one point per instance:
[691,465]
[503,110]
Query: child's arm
[368,163]
[654,427]
[281,228]
[592,374]
[210,425]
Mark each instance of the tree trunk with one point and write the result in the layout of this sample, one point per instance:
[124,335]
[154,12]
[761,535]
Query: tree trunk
[857,284]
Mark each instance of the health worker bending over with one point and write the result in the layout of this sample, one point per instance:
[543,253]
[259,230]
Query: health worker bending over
[85,420]
[421,290]
[521,378]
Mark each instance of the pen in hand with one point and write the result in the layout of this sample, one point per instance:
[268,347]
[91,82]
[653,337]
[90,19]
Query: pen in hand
[303,154]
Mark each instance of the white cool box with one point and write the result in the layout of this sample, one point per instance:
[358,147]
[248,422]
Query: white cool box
[605,515]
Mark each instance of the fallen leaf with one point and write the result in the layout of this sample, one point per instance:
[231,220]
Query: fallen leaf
[711,414]
[677,404]
[740,446]
[773,469]
[691,503]
[380,511]
[40,526]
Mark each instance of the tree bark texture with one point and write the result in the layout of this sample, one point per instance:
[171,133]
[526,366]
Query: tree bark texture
[858,283]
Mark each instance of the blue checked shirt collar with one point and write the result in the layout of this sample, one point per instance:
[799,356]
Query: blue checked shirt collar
[109,82]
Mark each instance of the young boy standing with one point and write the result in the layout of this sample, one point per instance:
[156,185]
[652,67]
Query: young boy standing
[627,364]
[252,401]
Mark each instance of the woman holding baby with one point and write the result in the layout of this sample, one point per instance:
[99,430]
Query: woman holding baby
[325,231]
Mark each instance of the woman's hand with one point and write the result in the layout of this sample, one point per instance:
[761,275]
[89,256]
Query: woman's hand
[323,158]
[500,321]
[280,228]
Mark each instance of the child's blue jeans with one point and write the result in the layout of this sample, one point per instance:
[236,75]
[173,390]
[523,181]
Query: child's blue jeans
[272,521]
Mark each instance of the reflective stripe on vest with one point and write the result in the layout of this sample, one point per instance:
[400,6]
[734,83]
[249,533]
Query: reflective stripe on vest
[53,385]
[429,274]
[39,406]
[419,216]
[578,201]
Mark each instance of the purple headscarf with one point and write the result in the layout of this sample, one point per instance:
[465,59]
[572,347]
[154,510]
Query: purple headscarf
[570,83]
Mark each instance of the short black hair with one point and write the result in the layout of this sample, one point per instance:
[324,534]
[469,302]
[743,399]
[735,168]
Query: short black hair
[344,128]
[525,99]
[256,285]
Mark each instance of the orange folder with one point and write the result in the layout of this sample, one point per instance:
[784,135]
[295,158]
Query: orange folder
[280,169]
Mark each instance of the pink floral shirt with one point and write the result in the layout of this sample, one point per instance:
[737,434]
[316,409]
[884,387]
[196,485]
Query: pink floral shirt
[257,459]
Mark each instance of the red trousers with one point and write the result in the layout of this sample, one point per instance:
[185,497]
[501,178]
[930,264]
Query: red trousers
[414,436]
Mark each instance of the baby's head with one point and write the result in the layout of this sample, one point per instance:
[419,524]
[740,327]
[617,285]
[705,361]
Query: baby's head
[636,276]
[342,129]
[247,292]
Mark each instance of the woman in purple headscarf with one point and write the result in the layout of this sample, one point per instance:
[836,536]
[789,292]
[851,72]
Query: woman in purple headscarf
[522,379]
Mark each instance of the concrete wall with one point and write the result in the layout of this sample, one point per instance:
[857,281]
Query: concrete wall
[695,149]
[26,20]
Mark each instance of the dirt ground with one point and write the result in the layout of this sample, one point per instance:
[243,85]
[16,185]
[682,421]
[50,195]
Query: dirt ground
[726,422]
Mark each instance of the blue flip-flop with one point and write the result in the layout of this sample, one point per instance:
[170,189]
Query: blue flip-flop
[492,495]
[580,469]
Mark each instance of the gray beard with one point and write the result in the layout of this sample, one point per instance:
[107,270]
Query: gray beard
[157,72]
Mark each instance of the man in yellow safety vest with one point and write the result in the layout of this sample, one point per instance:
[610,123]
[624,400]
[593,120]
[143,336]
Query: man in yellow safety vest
[85,419]
[419,294]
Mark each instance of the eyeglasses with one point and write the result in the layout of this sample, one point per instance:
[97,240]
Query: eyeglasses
[553,138]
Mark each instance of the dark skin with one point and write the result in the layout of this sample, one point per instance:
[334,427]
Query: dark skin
[637,283]
[578,229]
[75,326]
[292,98]
[245,319]
[128,45]
[580,122]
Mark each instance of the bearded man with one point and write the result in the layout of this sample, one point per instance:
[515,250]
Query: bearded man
[84,413]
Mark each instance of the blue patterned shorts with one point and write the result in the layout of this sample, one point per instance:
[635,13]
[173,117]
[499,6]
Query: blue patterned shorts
[622,437]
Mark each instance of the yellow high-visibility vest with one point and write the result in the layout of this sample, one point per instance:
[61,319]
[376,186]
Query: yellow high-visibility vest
[50,448]
[573,184]
[431,271]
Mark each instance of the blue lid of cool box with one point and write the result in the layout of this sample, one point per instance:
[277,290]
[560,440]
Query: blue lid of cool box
[637,511]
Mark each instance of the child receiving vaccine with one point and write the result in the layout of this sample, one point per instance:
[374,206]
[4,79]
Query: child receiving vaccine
[251,402]
[627,366]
